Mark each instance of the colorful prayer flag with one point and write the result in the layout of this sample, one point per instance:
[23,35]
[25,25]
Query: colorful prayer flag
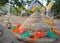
[52,35]
[34,7]
[41,34]
[35,37]
[26,34]
[31,5]
[22,30]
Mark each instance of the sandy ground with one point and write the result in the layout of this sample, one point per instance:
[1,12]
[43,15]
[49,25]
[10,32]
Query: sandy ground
[14,19]
[19,19]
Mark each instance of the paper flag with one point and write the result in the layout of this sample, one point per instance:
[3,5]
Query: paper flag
[13,28]
[22,30]
[31,5]
[48,21]
[41,34]
[52,35]
[16,30]
[26,34]
[35,37]
[18,25]
[34,7]
[56,32]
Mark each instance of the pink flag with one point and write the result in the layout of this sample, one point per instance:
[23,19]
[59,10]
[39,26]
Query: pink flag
[22,30]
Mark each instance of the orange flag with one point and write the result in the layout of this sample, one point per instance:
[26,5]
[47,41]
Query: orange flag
[35,37]
[16,30]
[34,7]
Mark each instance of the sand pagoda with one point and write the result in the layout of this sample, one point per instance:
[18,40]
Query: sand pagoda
[35,22]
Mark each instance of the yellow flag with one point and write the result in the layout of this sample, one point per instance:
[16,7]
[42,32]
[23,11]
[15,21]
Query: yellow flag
[34,7]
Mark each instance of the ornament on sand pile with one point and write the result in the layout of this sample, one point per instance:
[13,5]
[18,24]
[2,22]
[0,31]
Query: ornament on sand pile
[53,33]
[18,25]
[34,7]
[41,34]
[26,34]
[13,28]
[17,29]
[31,5]
[22,30]
[37,34]
[35,37]
[49,22]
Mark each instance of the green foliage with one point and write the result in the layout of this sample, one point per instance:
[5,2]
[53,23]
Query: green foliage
[3,2]
[28,11]
[18,3]
[48,1]
[57,6]
[12,9]
[40,8]
[16,10]
[19,9]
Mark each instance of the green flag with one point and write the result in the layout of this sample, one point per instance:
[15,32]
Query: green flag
[13,28]
[52,35]
[26,34]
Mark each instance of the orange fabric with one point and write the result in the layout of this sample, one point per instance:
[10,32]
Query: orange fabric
[16,30]
[34,7]
[55,32]
[48,21]
[35,37]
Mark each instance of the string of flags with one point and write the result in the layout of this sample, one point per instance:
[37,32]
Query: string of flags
[37,34]
[52,35]
[26,34]
[34,5]
[31,5]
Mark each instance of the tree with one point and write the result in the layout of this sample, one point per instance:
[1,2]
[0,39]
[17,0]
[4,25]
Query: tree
[3,2]
[55,7]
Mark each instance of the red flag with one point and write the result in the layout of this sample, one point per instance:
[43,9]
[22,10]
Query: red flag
[41,34]
[18,25]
